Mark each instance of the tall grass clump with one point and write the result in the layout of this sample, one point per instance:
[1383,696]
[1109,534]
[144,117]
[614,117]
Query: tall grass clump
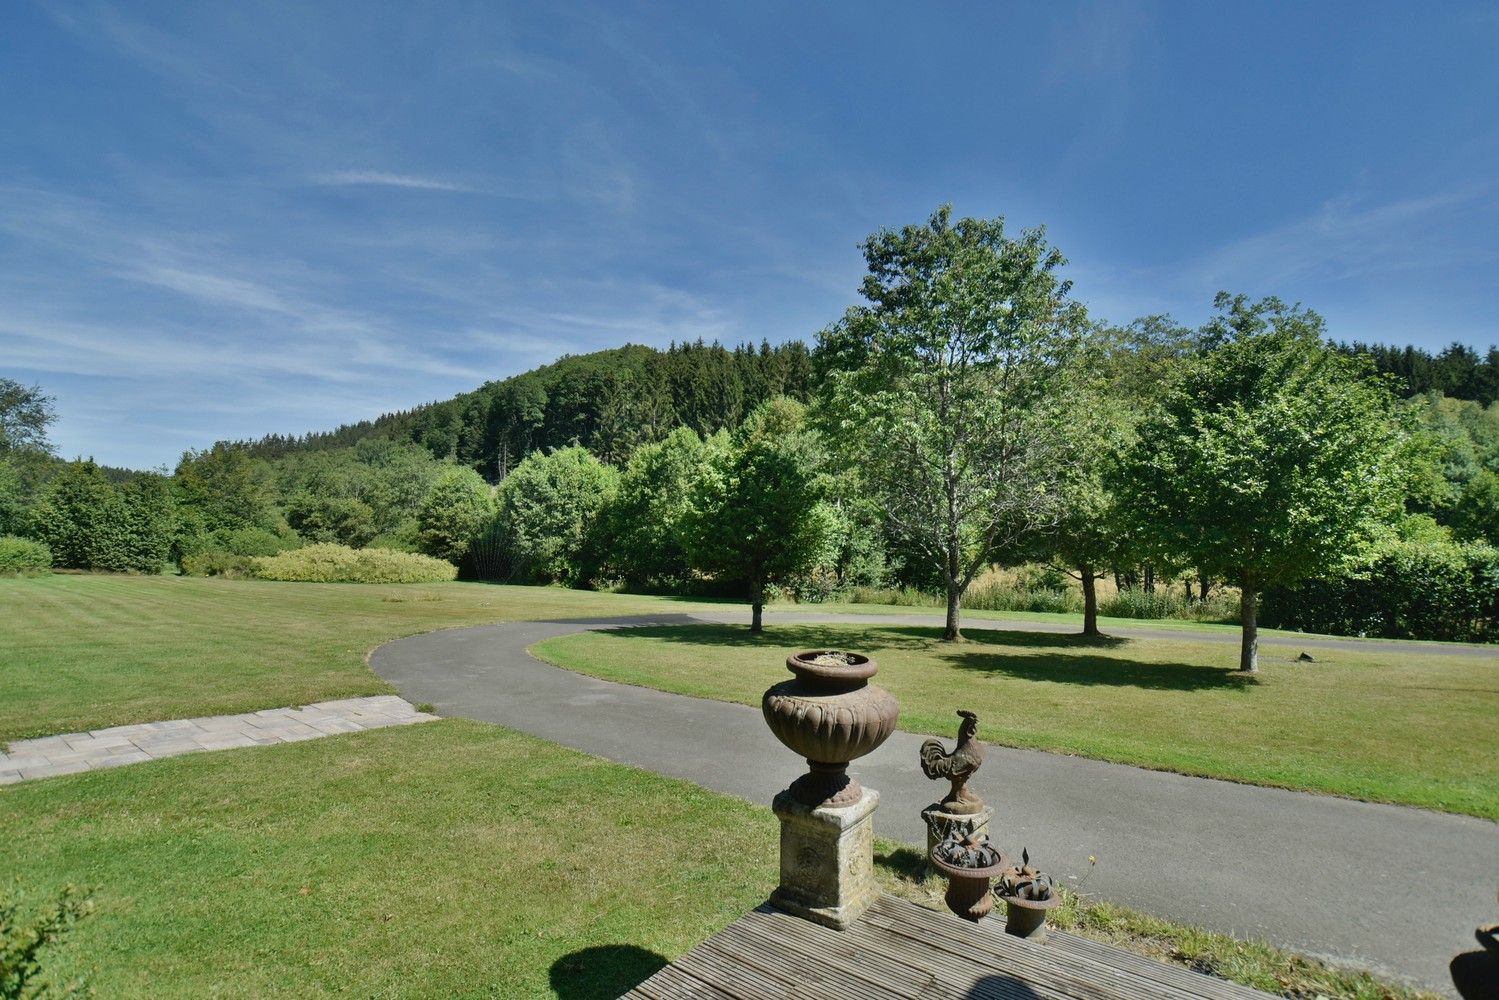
[330,563]
[980,597]
[22,555]
[1222,605]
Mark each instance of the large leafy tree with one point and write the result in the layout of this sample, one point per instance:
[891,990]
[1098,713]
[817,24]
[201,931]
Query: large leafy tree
[757,515]
[25,414]
[224,488]
[942,388]
[455,510]
[1270,458]
[25,451]
[1112,382]
[549,510]
[645,519]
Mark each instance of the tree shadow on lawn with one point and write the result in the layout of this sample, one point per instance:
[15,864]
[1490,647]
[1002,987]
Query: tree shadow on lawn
[1041,656]
[1093,671]
[603,972]
[871,638]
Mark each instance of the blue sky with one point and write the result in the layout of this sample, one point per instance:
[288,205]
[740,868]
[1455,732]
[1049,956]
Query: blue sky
[219,220]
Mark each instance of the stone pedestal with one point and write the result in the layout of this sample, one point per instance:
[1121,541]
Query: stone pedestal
[827,859]
[941,823]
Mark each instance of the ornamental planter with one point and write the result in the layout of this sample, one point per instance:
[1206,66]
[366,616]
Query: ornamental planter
[1028,894]
[830,714]
[968,892]
[1026,918]
[970,865]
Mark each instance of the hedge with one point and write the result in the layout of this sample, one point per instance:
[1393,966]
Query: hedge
[1416,590]
[22,555]
[329,563]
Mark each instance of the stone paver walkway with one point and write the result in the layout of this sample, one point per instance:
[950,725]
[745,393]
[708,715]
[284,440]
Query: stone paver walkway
[117,745]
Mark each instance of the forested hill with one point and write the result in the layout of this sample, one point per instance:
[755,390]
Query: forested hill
[609,401]
[613,401]
[1458,371]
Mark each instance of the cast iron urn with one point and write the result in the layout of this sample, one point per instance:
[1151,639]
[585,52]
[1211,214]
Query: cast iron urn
[830,714]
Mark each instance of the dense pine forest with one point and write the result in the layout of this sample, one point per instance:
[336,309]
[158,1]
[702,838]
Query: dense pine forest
[610,402]
[613,401]
[1458,371]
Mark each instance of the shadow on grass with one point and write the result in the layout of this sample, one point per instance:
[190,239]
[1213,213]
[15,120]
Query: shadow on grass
[873,637]
[906,862]
[1032,656]
[603,972]
[1109,671]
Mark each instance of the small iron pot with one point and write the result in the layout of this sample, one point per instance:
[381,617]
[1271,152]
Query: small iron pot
[968,889]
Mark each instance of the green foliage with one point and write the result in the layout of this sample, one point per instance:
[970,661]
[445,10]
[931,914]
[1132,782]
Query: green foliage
[1412,590]
[26,940]
[23,555]
[453,513]
[327,563]
[218,562]
[89,523]
[644,521]
[1269,459]
[321,518]
[1220,606]
[224,487]
[612,402]
[1458,371]
[757,516]
[941,390]
[1476,516]
[549,515]
[25,414]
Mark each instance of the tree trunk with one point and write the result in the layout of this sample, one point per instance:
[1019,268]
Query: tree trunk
[1090,600]
[1149,579]
[954,594]
[757,613]
[1249,647]
[1202,587]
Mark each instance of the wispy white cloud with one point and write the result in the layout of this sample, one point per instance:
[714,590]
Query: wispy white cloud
[380,178]
[1347,237]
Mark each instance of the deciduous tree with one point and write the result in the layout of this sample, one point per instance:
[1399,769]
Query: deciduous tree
[757,514]
[548,514]
[1270,457]
[941,388]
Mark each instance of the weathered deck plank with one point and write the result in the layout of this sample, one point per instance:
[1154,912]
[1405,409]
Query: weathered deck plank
[900,951]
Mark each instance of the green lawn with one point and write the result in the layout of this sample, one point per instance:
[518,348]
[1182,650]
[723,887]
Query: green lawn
[82,651]
[446,859]
[460,859]
[1381,723]
[87,651]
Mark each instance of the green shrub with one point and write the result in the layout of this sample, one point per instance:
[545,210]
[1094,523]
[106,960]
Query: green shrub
[453,513]
[328,563]
[252,541]
[1414,590]
[1169,602]
[404,537]
[548,515]
[90,523]
[321,518]
[217,562]
[26,941]
[1000,597]
[22,555]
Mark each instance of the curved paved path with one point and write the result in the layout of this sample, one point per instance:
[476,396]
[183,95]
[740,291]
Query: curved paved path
[1389,888]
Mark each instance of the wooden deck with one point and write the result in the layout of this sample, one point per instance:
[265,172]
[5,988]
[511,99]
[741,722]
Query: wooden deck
[901,950]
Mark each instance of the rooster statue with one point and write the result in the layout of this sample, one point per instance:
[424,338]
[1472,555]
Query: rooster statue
[958,766]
